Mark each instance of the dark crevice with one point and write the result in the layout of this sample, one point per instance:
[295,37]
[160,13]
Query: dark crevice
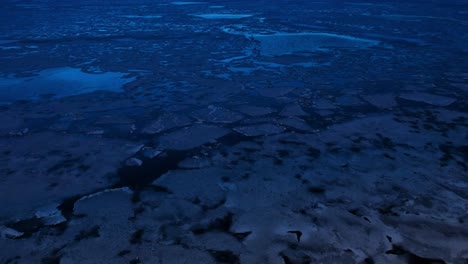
[412,258]
[137,237]
[139,177]
[220,224]
[242,235]
[86,234]
[297,233]
[225,257]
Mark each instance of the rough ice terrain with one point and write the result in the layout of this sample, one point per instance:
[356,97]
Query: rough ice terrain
[233,132]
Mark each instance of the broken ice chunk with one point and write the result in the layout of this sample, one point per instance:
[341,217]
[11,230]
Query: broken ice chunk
[50,215]
[19,133]
[381,100]
[323,104]
[191,137]
[293,110]
[217,115]
[150,153]
[133,162]
[96,132]
[255,110]
[295,122]
[195,163]
[259,130]
[81,205]
[275,91]
[348,100]
[201,184]
[427,98]
[165,122]
[6,232]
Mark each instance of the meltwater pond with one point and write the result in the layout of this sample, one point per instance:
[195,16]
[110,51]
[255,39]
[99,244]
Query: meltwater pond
[219,132]
[222,16]
[59,82]
[288,43]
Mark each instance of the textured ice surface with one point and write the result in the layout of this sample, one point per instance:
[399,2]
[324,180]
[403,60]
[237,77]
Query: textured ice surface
[222,16]
[59,82]
[259,130]
[429,98]
[203,184]
[275,91]
[256,110]
[295,122]
[217,154]
[217,115]
[288,43]
[191,137]
[60,166]
[165,122]
[381,100]
[293,110]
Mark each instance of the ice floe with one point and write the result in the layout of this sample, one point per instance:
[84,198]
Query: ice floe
[323,104]
[427,98]
[195,163]
[293,110]
[149,152]
[381,100]
[215,114]
[348,100]
[50,215]
[166,121]
[275,91]
[65,166]
[191,137]
[255,110]
[259,130]
[6,232]
[201,185]
[87,203]
[295,122]
[133,162]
